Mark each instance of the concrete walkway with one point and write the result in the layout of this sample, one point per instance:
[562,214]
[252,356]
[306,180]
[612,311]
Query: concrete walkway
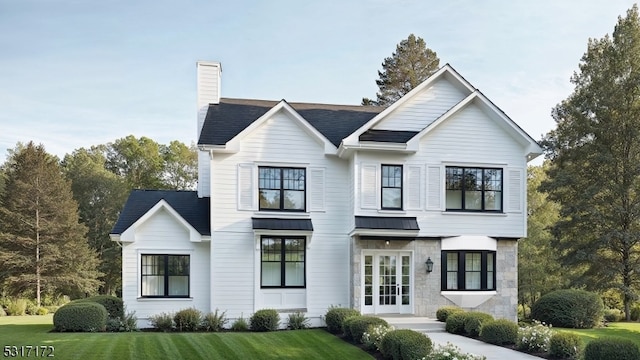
[435,330]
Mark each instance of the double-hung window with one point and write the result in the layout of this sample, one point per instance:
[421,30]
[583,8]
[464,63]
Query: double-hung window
[474,189]
[468,270]
[282,262]
[282,189]
[392,187]
[165,276]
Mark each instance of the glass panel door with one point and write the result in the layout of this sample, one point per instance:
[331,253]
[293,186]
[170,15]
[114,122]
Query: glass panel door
[387,285]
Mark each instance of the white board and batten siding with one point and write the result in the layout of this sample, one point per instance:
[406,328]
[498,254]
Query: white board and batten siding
[235,250]
[163,234]
[469,138]
[424,108]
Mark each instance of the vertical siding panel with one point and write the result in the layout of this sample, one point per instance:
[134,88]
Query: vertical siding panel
[515,189]
[368,186]
[316,189]
[246,187]
[414,186]
[434,187]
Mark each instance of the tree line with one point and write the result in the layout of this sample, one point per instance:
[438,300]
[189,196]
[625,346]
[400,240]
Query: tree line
[56,215]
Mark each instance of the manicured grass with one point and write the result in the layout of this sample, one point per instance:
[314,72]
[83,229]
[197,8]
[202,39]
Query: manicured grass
[625,330]
[294,344]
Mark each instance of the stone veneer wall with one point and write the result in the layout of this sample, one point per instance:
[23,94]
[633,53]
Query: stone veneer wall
[427,298]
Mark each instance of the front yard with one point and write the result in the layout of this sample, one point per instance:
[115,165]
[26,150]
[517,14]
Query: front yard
[24,331]
[625,330]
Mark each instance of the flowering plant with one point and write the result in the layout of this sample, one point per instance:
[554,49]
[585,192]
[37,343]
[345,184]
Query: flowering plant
[451,352]
[373,337]
[535,338]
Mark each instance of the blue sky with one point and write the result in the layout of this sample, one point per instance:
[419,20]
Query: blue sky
[76,73]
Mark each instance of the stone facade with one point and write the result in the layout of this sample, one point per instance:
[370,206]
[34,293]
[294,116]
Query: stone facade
[427,295]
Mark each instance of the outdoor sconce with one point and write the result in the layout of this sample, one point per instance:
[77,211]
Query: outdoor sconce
[429,265]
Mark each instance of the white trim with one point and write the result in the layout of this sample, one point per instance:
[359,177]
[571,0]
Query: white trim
[129,235]
[402,309]
[467,242]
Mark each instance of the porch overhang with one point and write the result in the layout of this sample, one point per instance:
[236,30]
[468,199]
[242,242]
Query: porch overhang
[385,228]
[282,224]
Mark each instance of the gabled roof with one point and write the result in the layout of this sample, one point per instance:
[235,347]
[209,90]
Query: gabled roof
[230,117]
[194,210]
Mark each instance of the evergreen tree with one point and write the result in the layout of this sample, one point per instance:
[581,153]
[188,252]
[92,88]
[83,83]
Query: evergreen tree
[595,152]
[43,248]
[410,65]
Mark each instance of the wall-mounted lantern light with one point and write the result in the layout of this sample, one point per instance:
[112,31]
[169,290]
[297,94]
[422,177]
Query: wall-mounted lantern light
[429,265]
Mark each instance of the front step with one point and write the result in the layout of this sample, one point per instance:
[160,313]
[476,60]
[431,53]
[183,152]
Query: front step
[422,324]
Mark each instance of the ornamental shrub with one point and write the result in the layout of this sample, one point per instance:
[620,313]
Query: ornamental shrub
[570,308]
[455,323]
[613,315]
[443,313]
[188,319]
[405,344]
[162,321]
[240,324]
[473,321]
[42,311]
[114,305]
[374,335]
[358,325]
[534,338]
[452,352]
[17,307]
[214,321]
[346,327]
[265,320]
[297,321]
[80,316]
[499,332]
[564,345]
[335,316]
[611,348]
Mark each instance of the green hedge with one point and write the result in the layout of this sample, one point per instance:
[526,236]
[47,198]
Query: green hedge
[499,332]
[405,344]
[265,320]
[455,323]
[336,316]
[443,313]
[188,319]
[611,348]
[473,321]
[358,325]
[114,305]
[80,316]
[569,308]
[564,345]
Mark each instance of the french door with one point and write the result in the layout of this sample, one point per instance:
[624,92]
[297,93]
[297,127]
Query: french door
[387,282]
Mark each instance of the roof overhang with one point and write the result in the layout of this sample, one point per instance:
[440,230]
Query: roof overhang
[129,235]
[383,226]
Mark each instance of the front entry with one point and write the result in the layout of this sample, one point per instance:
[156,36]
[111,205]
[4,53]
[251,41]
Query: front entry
[387,283]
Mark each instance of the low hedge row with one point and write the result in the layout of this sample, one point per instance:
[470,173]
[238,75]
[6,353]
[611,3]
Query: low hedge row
[335,317]
[113,305]
[80,316]
[405,344]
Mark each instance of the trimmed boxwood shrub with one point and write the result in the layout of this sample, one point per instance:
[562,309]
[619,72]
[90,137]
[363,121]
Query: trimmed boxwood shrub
[80,316]
[443,313]
[265,320]
[499,332]
[358,325]
[405,344]
[455,323]
[564,345]
[335,316]
[611,348]
[188,319]
[473,321]
[570,308]
[114,305]
[346,327]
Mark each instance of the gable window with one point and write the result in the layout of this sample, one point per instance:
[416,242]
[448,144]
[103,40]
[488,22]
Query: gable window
[282,262]
[474,189]
[282,189]
[392,187]
[468,270]
[165,276]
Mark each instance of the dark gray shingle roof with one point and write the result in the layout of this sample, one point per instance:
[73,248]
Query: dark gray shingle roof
[193,210]
[388,136]
[282,224]
[226,120]
[386,223]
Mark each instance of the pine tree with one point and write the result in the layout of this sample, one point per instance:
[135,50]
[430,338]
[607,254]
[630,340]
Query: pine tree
[595,152]
[410,65]
[43,249]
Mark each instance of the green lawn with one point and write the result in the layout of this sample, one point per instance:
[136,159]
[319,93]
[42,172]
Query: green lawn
[625,330]
[298,344]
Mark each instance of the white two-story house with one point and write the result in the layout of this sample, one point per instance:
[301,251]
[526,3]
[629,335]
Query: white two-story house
[303,206]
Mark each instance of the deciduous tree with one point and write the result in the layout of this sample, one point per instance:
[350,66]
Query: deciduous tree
[595,152]
[411,63]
